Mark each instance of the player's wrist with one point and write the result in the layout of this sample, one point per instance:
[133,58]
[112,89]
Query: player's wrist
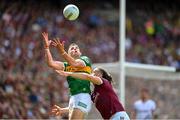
[46,47]
[61,111]
[63,52]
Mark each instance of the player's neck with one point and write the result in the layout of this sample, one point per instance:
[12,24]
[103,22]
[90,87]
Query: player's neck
[144,99]
[76,57]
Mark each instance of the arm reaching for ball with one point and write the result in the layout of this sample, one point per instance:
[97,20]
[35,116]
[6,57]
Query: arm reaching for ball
[73,62]
[83,76]
[50,62]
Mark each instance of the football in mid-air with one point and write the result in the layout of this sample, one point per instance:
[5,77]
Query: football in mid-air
[71,12]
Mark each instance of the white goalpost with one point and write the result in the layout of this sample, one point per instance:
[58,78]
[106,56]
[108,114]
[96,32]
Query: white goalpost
[122,29]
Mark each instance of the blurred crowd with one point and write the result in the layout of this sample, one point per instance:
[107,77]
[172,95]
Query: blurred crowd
[165,94]
[25,97]
[153,34]
[28,87]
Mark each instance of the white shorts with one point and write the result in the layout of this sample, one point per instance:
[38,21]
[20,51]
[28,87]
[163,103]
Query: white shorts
[81,101]
[120,116]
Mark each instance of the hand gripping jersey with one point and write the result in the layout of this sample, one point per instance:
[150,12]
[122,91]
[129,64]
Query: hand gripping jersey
[77,86]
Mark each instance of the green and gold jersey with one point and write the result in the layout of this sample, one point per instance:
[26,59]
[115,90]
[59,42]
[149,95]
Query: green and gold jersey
[77,86]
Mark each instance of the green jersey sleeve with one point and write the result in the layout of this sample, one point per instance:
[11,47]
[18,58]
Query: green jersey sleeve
[86,60]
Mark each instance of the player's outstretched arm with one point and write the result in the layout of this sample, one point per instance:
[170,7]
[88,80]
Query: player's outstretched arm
[83,76]
[50,62]
[60,46]
[58,111]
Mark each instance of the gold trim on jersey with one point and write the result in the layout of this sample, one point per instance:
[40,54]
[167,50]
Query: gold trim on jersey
[75,69]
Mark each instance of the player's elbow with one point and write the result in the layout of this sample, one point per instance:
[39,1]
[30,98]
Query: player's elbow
[55,66]
[97,82]
[94,80]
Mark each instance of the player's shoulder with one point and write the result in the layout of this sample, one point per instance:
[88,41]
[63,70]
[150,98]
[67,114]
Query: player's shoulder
[137,102]
[84,57]
[150,101]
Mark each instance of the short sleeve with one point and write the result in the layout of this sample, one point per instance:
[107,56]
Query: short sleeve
[86,60]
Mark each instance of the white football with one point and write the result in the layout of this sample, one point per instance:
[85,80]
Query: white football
[71,12]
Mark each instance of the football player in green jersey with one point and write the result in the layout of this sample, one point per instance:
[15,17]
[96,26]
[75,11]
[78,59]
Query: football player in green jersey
[80,100]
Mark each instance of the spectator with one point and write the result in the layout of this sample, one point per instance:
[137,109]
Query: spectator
[144,107]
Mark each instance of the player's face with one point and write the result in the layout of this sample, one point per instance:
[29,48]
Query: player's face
[96,72]
[144,94]
[74,51]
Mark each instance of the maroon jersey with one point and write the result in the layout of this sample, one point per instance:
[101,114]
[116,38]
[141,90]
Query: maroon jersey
[106,100]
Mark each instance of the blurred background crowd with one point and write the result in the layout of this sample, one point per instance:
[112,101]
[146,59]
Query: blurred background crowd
[165,93]
[28,87]
[153,33]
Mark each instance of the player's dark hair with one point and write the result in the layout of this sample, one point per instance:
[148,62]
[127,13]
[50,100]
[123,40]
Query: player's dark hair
[145,90]
[106,75]
[73,44]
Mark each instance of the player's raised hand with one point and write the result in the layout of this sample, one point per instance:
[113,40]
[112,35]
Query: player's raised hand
[47,42]
[59,44]
[56,110]
[62,73]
